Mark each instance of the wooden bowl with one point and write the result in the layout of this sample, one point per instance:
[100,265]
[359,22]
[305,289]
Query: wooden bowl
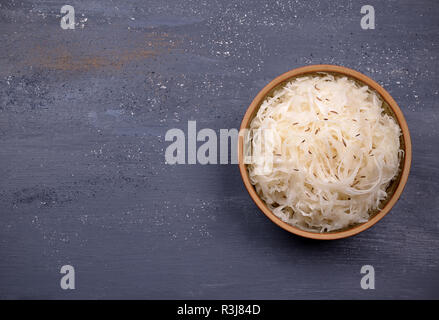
[395,188]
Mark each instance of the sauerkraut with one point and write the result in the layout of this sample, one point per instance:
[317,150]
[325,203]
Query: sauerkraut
[323,152]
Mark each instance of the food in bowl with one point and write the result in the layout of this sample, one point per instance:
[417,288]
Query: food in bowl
[330,148]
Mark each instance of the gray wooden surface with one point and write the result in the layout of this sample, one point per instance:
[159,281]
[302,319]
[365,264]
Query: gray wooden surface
[83,179]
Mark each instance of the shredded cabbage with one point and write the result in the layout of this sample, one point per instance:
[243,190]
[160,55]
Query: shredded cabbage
[331,152]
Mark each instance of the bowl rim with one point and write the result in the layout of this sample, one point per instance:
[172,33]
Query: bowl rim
[386,97]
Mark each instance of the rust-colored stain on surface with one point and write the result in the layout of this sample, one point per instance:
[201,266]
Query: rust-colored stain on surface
[61,58]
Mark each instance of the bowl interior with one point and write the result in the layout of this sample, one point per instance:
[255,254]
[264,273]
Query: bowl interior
[389,107]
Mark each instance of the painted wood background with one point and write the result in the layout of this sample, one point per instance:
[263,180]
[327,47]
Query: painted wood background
[83,179]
